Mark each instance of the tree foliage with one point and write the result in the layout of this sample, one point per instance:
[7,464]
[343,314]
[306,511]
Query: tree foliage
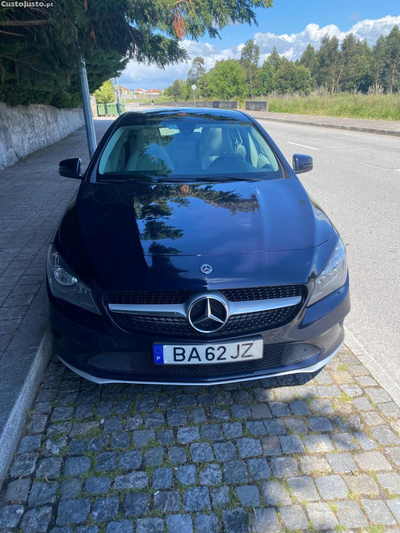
[225,81]
[177,91]
[351,66]
[249,58]
[197,70]
[392,60]
[106,93]
[40,49]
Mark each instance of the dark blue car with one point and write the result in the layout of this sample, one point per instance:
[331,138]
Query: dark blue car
[193,255]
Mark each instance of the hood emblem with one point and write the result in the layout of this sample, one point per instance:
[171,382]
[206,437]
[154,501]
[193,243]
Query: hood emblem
[206,268]
[208,314]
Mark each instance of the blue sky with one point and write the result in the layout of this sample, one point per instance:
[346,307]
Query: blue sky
[289,25]
[292,16]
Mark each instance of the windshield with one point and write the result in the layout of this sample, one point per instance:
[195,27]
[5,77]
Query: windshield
[189,148]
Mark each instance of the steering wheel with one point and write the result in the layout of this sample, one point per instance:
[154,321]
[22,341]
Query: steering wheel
[267,166]
[224,157]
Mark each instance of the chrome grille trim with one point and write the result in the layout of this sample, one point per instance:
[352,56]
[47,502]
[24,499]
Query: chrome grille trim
[175,310]
[179,310]
[256,306]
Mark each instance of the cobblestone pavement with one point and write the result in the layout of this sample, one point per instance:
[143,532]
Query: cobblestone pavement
[262,456]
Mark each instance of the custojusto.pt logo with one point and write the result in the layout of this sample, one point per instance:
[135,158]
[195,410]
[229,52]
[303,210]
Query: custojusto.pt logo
[27,5]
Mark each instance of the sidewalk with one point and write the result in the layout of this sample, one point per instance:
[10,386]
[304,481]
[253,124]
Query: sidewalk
[262,456]
[32,199]
[379,127]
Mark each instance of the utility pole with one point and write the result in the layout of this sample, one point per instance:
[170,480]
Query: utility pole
[87,110]
[194,94]
[118,97]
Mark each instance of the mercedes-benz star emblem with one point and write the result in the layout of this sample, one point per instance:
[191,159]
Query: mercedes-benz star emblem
[206,268]
[208,314]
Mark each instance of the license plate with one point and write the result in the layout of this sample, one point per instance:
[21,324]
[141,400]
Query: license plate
[204,354]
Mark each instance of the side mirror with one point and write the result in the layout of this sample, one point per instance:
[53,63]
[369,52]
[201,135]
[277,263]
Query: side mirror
[70,168]
[302,163]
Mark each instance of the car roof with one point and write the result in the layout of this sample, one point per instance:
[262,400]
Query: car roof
[175,113]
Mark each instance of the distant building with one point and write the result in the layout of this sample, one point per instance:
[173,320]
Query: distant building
[147,93]
[139,92]
[125,91]
[154,92]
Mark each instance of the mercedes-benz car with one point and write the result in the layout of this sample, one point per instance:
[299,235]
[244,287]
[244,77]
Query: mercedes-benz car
[192,254]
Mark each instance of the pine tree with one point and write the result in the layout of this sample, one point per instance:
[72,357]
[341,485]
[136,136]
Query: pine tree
[40,49]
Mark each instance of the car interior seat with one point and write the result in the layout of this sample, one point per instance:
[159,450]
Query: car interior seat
[146,153]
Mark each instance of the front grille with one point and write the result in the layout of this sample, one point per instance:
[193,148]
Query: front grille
[180,297]
[141,363]
[180,327]
[263,293]
[148,297]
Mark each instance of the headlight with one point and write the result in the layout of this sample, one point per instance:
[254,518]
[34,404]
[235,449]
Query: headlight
[333,276]
[65,285]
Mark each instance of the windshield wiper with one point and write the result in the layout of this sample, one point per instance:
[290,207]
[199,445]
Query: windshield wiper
[225,178]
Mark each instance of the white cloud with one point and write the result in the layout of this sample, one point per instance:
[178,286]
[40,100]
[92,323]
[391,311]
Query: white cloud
[294,44]
[291,46]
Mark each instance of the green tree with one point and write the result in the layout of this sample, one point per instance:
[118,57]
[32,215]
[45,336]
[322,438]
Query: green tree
[308,58]
[265,76]
[178,91]
[227,80]
[355,70]
[328,65]
[302,79]
[392,54]
[290,78]
[106,93]
[379,63]
[249,58]
[40,49]
[197,69]
[204,90]
[274,59]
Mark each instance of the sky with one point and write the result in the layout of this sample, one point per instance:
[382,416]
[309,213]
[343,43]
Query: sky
[290,25]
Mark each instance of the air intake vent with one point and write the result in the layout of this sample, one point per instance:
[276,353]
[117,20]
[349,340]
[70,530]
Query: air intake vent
[141,363]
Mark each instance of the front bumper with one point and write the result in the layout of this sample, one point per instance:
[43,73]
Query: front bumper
[81,339]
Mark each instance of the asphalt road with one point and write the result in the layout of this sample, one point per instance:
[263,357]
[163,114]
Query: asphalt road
[356,180]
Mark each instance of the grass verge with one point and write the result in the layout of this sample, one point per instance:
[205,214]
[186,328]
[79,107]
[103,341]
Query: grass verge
[371,106]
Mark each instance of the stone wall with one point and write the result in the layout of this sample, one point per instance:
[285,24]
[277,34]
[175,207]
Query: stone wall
[252,105]
[24,129]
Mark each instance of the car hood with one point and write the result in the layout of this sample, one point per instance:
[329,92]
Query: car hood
[119,229]
[221,218]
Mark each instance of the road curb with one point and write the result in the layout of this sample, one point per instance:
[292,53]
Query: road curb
[14,424]
[327,125]
[377,370]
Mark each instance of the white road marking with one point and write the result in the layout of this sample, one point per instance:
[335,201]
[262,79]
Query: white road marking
[303,146]
[398,169]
